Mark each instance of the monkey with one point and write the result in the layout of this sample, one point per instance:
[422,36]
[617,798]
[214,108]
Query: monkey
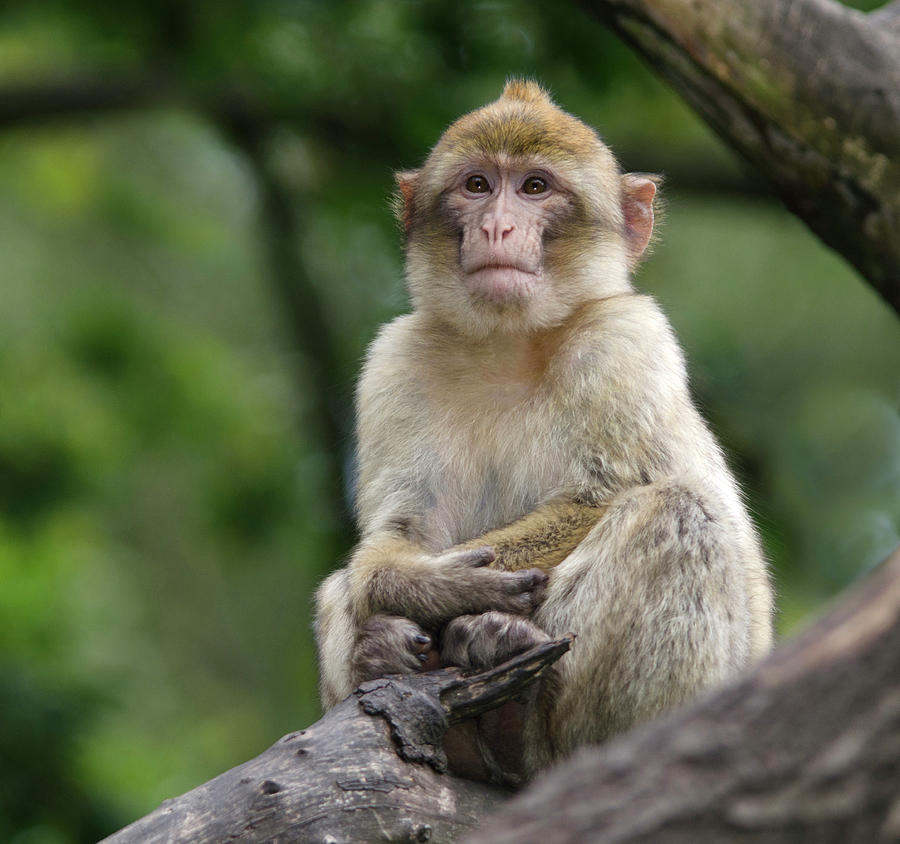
[530,460]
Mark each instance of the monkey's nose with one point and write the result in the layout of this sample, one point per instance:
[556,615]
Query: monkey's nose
[497,227]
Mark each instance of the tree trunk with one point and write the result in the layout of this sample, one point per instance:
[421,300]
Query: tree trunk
[808,91]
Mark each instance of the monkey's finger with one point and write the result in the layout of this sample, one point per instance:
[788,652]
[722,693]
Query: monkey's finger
[471,558]
[430,661]
[527,580]
[421,645]
[529,590]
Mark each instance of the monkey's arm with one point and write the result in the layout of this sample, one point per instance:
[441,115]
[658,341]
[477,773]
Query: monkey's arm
[543,538]
[391,574]
[408,585]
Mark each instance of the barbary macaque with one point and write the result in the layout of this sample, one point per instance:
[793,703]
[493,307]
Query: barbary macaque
[530,460]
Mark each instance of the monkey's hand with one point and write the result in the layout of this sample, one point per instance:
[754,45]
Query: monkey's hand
[390,644]
[479,642]
[458,582]
[394,578]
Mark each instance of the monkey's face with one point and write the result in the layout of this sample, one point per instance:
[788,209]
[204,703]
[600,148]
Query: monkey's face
[515,219]
[502,211]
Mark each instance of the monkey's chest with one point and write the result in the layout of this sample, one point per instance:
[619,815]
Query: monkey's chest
[493,466]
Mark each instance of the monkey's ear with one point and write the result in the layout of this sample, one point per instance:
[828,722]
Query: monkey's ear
[638,195]
[403,199]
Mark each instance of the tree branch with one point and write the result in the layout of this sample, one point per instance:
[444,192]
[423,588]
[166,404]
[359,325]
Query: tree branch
[379,135]
[888,16]
[804,747]
[808,91]
[370,770]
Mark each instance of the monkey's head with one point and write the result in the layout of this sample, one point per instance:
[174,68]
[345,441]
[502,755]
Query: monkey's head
[519,214]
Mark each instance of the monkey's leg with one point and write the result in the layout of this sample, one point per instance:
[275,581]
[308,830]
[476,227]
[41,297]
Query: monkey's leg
[656,595]
[543,538]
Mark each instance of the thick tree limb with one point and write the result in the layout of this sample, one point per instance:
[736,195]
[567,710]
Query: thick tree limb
[887,16]
[805,748]
[808,91]
[354,777]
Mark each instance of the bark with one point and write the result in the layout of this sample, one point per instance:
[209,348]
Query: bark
[372,769]
[808,91]
[804,748]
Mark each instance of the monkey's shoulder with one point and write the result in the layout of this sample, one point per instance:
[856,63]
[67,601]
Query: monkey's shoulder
[397,344]
[403,331]
[391,381]
[628,330]
[623,314]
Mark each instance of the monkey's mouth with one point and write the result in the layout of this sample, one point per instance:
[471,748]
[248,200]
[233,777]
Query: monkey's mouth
[501,282]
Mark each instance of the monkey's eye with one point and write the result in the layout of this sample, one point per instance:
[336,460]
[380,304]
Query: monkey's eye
[477,184]
[534,185]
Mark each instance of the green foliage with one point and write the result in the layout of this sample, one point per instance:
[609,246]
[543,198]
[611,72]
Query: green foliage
[37,744]
[163,514]
[160,532]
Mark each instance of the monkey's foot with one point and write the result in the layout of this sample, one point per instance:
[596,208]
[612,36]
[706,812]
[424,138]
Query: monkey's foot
[478,642]
[391,644]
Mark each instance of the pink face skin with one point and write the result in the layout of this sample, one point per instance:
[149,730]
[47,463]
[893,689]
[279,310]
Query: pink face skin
[504,211]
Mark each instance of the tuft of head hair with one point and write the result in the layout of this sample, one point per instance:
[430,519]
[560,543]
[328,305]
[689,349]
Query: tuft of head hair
[524,122]
[526,91]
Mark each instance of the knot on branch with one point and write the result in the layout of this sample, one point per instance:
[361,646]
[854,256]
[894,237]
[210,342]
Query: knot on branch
[415,716]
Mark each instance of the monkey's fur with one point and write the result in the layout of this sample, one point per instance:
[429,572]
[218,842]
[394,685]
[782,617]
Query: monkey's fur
[530,461]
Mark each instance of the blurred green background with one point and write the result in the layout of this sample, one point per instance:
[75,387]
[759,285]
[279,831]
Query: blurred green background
[195,248]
